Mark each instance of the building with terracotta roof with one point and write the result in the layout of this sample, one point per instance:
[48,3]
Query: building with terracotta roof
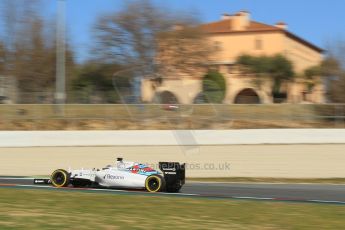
[236,35]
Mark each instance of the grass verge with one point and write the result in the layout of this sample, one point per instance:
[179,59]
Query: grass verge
[154,116]
[36,209]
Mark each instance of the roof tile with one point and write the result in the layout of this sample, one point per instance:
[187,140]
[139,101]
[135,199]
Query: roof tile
[225,26]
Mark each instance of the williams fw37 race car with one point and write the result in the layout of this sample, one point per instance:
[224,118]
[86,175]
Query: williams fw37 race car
[124,174]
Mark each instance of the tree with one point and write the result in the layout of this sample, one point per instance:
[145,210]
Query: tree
[15,16]
[95,79]
[185,49]
[2,58]
[147,36]
[281,70]
[327,71]
[336,90]
[333,69]
[311,75]
[277,68]
[334,74]
[214,87]
[327,68]
[330,67]
[30,50]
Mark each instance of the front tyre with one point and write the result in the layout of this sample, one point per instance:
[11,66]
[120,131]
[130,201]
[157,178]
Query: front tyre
[154,183]
[60,178]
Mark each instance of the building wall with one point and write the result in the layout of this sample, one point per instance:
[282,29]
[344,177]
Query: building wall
[233,45]
[184,89]
[236,84]
[298,92]
[187,89]
[301,56]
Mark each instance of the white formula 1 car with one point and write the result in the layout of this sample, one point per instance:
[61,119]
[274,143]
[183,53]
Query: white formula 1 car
[124,174]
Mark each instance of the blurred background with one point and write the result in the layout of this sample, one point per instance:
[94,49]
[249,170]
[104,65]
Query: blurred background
[153,65]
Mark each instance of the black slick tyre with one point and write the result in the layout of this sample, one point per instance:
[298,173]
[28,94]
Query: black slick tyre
[60,178]
[154,183]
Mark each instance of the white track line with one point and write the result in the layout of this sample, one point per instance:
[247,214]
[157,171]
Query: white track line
[34,186]
[328,201]
[109,190]
[252,198]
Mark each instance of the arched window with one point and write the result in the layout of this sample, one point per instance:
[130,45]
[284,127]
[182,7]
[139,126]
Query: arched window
[247,96]
[200,99]
[165,97]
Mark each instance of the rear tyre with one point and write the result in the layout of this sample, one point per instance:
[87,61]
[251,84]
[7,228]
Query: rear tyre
[60,178]
[154,183]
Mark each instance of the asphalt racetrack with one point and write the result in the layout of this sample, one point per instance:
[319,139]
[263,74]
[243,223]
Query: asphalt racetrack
[314,193]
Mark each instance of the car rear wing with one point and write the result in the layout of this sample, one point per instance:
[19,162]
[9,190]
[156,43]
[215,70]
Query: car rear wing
[174,175]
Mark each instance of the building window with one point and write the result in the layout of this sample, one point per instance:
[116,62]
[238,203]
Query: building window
[258,44]
[230,69]
[217,46]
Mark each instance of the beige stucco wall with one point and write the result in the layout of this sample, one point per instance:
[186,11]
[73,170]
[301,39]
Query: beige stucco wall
[234,44]
[147,90]
[184,89]
[299,87]
[301,56]
[284,161]
[235,84]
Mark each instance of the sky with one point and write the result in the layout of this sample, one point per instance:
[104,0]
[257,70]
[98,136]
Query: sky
[318,21]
